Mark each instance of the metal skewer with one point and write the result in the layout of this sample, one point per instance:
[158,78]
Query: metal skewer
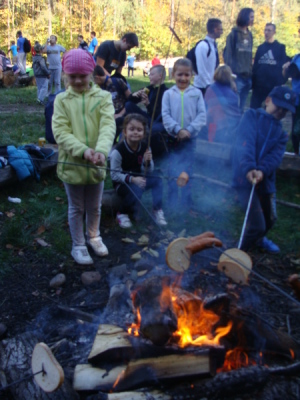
[247,214]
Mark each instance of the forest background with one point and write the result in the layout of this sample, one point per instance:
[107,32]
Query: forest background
[150,19]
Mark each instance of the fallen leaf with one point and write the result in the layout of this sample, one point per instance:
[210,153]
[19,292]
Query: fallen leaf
[36,293]
[141,273]
[42,242]
[296,262]
[144,239]
[58,198]
[41,230]
[136,256]
[9,246]
[127,240]
[153,253]
[9,214]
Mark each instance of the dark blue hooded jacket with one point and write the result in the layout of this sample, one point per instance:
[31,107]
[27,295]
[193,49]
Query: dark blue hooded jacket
[260,145]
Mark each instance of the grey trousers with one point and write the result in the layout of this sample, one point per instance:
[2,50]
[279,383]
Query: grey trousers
[55,80]
[22,62]
[42,88]
[84,200]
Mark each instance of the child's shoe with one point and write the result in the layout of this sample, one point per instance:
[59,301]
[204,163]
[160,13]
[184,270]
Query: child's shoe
[124,221]
[98,246]
[81,255]
[266,245]
[159,217]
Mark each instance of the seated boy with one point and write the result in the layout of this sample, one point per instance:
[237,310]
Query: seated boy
[259,149]
[147,96]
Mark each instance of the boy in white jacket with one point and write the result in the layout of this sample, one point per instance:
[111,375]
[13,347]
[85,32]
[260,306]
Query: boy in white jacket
[183,113]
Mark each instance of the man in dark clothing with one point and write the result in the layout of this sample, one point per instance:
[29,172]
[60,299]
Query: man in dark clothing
[111,54]
[82,43]
[267,69]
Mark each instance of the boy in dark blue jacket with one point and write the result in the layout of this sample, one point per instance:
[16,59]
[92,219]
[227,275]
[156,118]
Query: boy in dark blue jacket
[259,149]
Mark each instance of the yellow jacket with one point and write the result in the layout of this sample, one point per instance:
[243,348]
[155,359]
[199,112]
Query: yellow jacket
[81,121]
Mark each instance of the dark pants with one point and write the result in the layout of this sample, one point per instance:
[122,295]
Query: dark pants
[180,159]
[130,69]
[158,133]
[295,137]
[262,216]
[130,204]
[258,97]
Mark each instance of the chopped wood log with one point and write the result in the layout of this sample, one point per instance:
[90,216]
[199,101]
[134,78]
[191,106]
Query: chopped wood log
[145,371]
[111,343]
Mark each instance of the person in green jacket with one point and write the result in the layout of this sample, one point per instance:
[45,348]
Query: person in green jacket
[84,128]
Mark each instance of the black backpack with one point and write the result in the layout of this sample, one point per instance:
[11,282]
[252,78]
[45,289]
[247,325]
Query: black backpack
[27,46]
[191,55]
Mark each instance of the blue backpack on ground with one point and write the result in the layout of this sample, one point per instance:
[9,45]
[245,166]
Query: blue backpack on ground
[191,55]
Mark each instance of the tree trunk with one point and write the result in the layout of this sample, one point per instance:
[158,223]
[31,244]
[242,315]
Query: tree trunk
[49,18]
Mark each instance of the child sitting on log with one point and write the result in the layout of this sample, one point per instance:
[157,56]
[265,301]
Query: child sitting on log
[258,153]
[128,162]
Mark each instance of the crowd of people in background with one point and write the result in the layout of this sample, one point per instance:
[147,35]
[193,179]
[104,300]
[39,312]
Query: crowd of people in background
[212,108]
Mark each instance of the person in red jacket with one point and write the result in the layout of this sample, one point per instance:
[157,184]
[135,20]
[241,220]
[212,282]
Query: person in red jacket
[155,61]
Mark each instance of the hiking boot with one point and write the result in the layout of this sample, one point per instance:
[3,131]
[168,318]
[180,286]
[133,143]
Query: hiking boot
[98,246]
[40,102]
[81,255]
[124,221]
[159,217]
[266,245]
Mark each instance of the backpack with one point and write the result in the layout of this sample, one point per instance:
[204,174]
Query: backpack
[27,45]
[191,54]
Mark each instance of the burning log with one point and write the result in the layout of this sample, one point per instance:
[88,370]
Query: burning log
[158,320]
[145,371]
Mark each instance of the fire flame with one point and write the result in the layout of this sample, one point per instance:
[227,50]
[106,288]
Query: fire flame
[196,325]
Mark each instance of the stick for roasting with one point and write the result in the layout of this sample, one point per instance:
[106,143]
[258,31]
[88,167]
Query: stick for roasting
[247,214]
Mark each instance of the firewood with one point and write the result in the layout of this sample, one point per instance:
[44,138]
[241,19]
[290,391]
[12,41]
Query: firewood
[140,372]
[153,395]
[111,343]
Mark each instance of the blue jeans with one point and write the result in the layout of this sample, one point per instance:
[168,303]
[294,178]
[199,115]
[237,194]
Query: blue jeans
[55,79]
[243,86]
[42,88]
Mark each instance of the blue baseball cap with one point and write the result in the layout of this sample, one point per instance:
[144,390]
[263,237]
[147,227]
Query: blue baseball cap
[284,97]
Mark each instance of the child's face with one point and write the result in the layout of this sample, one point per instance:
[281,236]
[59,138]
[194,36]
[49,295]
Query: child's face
[134,132]
[182,76]
[99,80]
[79,82]
[155,77]
[272,109]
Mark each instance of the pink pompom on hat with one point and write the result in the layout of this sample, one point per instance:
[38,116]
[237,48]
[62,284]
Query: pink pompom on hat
[78,61]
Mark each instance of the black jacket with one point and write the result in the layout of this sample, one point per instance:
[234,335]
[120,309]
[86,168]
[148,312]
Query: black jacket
[267,68]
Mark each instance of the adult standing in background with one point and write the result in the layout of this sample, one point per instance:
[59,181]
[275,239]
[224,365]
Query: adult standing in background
[53,51]
[21,52]
[111,54]
[155,60]
[93,45]
[238,53]
[267,68]
[130,63]
[207,57]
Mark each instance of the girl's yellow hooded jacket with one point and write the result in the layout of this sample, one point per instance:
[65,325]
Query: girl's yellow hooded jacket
[81,121]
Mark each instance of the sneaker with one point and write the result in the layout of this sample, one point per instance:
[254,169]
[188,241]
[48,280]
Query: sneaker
[159,217]
[40,102]
[98,246]
[266,245]
[124,221]
[81,255]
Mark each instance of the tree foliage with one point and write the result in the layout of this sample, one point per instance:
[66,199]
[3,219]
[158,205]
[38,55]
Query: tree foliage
[150,19]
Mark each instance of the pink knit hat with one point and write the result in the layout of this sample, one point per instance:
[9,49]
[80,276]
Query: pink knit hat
[78,61]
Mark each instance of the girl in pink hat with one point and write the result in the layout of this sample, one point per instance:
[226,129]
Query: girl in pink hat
[84,128]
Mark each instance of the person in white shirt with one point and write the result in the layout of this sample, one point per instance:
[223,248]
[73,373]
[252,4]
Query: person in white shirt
[207,57]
